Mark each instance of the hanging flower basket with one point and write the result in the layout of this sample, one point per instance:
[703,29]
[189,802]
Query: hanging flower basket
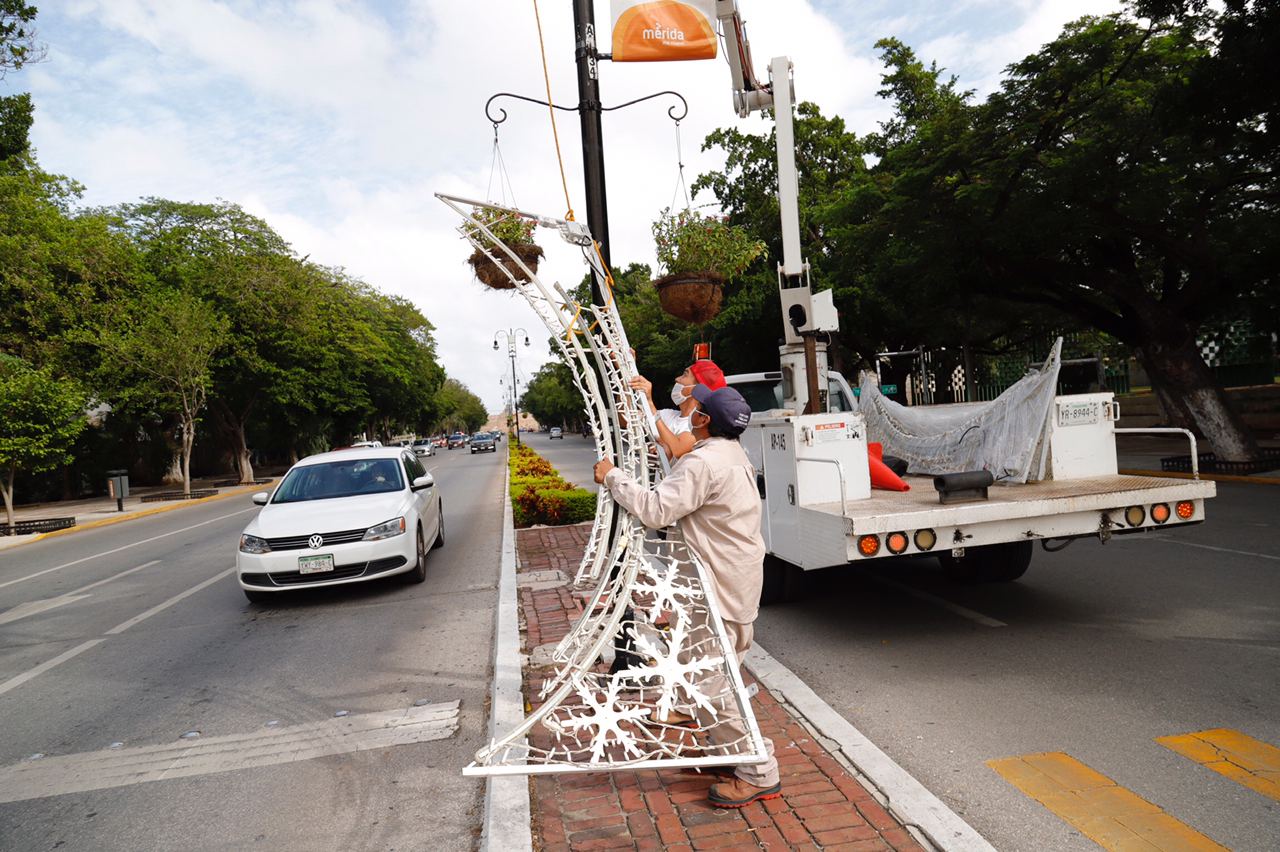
[698,253]
[691,296]
[492,274]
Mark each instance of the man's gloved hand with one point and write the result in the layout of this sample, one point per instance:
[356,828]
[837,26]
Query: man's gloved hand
[602,469]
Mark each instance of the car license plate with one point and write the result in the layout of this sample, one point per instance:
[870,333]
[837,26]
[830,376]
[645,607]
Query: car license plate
[315,564]
[1079,413]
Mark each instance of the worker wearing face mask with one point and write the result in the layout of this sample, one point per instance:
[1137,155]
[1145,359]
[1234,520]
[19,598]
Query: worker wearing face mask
[711,492]
[674,433]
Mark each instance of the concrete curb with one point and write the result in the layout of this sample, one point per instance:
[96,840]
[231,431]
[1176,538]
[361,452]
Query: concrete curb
[1215,477]
[906,798]
[142,513]
[507,815]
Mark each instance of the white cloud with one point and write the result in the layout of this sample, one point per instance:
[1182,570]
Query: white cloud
[336,120]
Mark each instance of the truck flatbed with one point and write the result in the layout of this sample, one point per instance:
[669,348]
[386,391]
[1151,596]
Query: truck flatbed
[1095,506]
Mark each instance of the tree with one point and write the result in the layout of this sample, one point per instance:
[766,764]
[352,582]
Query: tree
[166,352]
[41,416]
[458,408]
[551,395]
[1106,182]
[18,46]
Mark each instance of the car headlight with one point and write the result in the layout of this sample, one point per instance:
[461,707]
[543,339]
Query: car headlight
[253,544]
[385,530]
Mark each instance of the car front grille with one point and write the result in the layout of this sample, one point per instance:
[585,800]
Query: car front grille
[298,542]
[340,572]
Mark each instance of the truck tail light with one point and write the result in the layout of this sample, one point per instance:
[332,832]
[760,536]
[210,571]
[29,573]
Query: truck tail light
[926,539]
[1185,509]
[1160,512]
[896,542]
[1134,516]
[869,545]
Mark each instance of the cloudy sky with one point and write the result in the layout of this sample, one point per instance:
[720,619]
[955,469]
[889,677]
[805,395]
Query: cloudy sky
[337,120]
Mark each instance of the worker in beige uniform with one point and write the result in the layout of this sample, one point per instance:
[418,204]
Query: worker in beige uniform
[711,492]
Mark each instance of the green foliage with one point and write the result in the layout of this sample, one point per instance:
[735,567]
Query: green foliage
[18,44]
[552,397]
[458,409]
[507,227]
[15,125]
[41,416]
[688,241]
[539,495]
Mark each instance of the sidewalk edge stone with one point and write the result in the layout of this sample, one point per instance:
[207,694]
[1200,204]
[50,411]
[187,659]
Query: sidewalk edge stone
[908,800]
[507,818]
[142,513]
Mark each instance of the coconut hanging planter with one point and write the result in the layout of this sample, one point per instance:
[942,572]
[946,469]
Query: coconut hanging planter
[691,296]
[494,276]
[699,253]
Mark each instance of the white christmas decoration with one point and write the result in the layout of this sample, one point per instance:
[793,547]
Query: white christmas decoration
[590,720]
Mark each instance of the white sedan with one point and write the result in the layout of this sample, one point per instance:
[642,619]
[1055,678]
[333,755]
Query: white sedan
[342,517]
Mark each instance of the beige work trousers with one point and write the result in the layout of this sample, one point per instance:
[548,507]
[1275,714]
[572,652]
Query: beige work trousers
[729,725]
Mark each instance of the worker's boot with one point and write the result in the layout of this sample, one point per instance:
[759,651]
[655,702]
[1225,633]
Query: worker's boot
[736,793]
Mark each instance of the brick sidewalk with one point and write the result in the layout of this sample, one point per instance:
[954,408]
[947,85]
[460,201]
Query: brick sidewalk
[822,806]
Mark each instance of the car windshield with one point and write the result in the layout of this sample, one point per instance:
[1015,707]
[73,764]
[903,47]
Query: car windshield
[346,478]
[480,436]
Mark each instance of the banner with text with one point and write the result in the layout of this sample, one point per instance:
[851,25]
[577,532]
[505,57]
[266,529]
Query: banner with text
[663,30]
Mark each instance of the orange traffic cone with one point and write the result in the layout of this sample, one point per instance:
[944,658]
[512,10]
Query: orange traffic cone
[881,476]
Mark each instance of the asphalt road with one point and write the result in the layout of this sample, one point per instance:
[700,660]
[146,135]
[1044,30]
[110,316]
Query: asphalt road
[173,646]
[1099,650]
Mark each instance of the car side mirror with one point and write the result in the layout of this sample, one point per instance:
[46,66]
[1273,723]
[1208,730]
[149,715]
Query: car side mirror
[424,481]
[261,498]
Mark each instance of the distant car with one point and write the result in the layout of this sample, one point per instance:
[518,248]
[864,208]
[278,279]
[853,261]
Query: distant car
[557,432]
[440,441]
[457,439]
[423,447]
[482,442]
[497,436]
[342,517]
[359,444]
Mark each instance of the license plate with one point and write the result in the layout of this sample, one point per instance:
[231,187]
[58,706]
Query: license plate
[315,564]
[1079,413]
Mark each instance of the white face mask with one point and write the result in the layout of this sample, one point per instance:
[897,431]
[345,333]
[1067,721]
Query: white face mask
[677,394]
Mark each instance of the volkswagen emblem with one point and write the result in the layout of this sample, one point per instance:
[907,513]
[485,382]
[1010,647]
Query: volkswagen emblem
[316,541]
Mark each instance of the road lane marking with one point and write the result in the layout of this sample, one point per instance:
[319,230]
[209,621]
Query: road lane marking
[1237,756]
[125,547]
[1108,814]
[18,680]
[963,611]
[125,625]
[123,767]
[1270,556]
[23,610]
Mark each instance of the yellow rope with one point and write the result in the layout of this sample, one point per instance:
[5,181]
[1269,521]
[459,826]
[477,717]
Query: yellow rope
[546,76]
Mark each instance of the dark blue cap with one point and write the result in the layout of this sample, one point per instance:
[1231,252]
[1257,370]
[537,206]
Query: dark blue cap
[726,408]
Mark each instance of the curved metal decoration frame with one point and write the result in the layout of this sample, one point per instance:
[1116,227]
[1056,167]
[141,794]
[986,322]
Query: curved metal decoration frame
[647,583]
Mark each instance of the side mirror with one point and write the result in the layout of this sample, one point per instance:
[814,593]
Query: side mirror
[424,481]
[261,498]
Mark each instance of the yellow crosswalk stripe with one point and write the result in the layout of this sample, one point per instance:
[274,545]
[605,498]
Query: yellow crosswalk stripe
[1110,815]
[1238,756]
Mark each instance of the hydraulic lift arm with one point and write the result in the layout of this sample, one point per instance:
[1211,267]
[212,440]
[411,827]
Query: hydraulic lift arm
[804,315]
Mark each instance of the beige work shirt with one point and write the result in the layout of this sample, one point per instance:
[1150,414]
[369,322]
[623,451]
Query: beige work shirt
[712,492]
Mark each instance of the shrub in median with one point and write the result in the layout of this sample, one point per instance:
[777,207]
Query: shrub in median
[539,495]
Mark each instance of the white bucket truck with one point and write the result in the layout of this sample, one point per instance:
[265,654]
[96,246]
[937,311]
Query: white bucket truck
[810,450]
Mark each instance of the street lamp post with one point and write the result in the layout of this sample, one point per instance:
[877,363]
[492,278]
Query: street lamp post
[511,335]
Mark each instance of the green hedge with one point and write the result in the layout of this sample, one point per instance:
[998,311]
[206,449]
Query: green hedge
[538,497]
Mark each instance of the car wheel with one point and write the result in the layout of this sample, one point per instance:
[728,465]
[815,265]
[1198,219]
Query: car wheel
[439,542]
[258,597]
[419,572]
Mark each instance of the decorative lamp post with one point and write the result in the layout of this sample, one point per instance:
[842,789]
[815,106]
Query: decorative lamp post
[511,335]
